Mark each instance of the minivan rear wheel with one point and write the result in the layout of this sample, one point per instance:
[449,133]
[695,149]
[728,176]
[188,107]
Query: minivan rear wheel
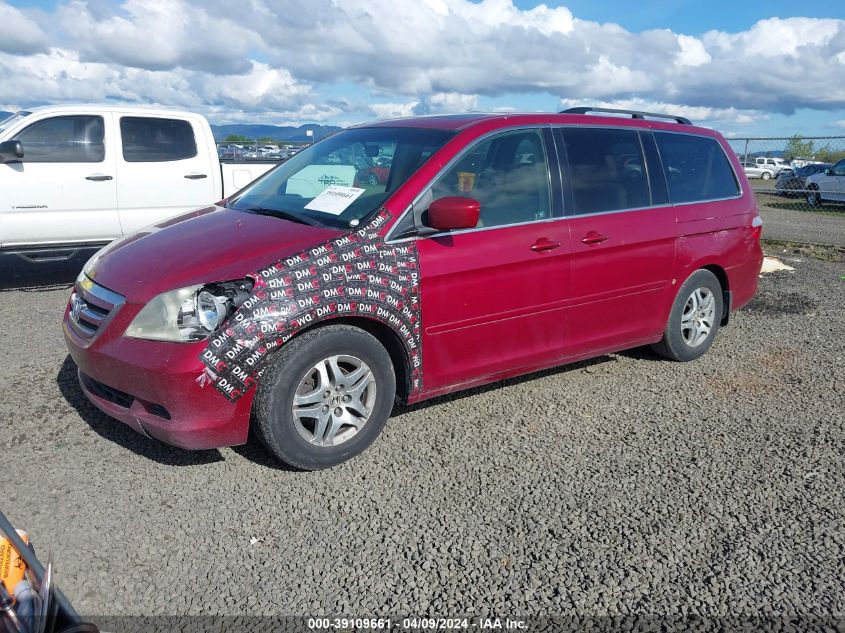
[694,319]
[325,398]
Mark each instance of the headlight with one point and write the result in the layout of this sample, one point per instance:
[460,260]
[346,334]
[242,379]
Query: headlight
[191,313]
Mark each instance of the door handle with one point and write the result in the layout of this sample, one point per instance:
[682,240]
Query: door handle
[195,176]
[98,177]
[543,245]
[594,238]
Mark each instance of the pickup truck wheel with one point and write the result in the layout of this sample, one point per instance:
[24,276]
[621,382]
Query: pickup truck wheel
[694,319]
[766,175]
[325,398]
[814,198]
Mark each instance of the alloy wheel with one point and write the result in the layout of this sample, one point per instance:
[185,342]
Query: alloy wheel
[698,317]
[334,400]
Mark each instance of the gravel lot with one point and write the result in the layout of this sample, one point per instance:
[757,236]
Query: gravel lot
[621,485]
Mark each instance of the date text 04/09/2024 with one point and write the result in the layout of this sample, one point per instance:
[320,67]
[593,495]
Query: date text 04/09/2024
[480,623]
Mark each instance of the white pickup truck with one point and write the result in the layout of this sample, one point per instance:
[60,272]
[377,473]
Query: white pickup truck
[78,176]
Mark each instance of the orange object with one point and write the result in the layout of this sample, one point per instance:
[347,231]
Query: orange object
[12,566]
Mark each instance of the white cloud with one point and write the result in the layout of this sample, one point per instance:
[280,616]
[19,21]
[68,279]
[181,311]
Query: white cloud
[60,75]
[697,114]
[265,58]
[160,35]
[692,52]
[439,103]
[18,32]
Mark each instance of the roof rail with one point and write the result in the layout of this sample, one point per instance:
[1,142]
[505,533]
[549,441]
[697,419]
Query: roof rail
[635,114]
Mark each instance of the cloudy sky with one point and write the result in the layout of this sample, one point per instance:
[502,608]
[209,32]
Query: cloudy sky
[763,68]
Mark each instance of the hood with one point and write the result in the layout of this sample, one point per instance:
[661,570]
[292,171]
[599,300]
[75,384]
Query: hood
[203,246]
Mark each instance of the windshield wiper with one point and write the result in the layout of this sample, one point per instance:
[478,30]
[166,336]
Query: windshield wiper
[285,215]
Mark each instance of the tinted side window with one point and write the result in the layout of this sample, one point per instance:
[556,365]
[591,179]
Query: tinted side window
[508,174]
[696,168]
[606,169]
[839,168]
[64,139]
[147,140]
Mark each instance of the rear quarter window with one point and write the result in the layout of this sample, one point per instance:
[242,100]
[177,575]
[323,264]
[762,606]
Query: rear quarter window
[696,168]
[154,140]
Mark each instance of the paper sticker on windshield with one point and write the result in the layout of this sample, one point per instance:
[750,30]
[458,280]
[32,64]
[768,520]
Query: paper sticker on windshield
[334,199]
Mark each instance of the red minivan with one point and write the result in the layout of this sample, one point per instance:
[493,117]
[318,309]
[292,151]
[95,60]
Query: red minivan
[308,303]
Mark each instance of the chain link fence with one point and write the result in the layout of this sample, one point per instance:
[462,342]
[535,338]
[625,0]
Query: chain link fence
[797,173]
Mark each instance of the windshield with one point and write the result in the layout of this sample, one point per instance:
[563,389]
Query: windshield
[809,170]
[342,180]
[11,120]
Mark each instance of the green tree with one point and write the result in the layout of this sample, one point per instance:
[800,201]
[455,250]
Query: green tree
[827,155]
[797,146]
[235,138]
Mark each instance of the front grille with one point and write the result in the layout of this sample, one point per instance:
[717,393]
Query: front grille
[120,398]
[90,306]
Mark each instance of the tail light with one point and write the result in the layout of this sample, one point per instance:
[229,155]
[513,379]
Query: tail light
[757,227]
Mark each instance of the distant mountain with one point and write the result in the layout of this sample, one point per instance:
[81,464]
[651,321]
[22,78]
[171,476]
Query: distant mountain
[287,133]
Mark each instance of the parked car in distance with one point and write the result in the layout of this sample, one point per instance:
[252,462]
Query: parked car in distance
[75,176]
[753,170]
[375,174]
[776,165]
[793,184]
[827,185]
[505,244]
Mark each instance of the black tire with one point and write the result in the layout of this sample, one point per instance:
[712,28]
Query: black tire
[766,176]
[673,345]
[274,421]
[373,179]
[814,198]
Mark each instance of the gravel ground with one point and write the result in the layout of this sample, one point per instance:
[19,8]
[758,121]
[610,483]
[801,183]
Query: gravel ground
[621,485]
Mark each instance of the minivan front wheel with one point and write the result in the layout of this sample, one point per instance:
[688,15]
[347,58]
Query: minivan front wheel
[694,319]
[325,398]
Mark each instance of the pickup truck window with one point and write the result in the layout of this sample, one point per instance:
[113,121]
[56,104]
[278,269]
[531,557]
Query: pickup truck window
[154,140]
[64,139]
[343,179]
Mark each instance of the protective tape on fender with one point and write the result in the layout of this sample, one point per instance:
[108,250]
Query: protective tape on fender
[356,274]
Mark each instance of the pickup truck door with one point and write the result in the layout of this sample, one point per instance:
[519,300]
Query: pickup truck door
[63,190]
[165,167]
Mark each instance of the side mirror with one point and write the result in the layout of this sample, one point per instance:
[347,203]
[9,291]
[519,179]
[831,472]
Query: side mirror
[11,151]
[453,212]
[828,172]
